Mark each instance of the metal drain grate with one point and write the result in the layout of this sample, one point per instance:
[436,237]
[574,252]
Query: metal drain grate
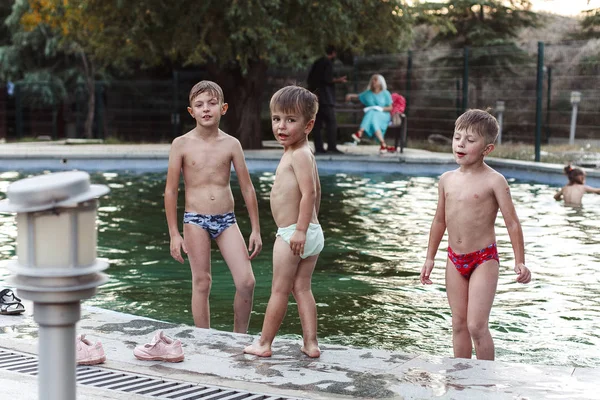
[133,383]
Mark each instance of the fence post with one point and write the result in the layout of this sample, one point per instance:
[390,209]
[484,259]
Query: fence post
[55,121]
[18,111]
[99,110]
[175,116]
[78,112]
[538,102]
[500,110]
[408,81]
[458,106]
[575,99]
[355,84]
[465,89]
[548,102]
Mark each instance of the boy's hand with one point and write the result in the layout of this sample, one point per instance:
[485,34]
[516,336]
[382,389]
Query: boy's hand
[426,271]
[523,273]
[177,243]
[254,245]
[297,242]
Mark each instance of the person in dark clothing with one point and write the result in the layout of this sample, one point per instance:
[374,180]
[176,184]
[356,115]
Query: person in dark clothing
[322,83]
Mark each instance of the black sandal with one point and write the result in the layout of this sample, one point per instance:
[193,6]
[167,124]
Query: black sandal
[10,304]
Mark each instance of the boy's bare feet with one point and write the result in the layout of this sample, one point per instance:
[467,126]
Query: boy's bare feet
[258,350]
[312,350]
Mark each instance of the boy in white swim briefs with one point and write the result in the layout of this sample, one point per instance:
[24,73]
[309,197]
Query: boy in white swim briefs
[295,201]
[315,241]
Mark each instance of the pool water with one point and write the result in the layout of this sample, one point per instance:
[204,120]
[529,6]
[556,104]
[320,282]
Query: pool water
[366,282]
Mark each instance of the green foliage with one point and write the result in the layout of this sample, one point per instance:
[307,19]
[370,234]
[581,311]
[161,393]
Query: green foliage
[590,25]
[283,33]
[489,28]
[479,23]
[34,58]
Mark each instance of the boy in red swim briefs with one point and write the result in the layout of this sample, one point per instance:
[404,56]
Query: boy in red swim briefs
[469,199]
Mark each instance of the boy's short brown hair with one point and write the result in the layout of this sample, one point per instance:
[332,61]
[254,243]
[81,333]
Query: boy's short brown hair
[479,121]
[292,99]
[207,86]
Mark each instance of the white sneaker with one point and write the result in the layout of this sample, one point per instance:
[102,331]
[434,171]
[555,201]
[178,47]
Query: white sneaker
[88,353]
[162,348]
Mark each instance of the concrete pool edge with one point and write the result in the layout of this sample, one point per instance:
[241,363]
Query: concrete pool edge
[37,156]
[216,358]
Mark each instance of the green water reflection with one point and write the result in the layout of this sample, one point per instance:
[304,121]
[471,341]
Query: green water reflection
[366,283]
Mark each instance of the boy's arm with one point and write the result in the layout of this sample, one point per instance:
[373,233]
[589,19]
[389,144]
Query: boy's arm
[171,194]
[318,184]
[249,194]
[302,165]
[515,232]
[436,233]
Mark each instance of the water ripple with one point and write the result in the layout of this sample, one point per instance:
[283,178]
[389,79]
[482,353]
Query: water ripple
[366,283]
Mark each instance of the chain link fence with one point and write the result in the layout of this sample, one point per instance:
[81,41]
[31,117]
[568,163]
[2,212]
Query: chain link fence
[437,84]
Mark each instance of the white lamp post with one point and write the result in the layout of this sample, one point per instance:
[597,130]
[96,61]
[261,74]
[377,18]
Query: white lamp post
[575,99]
[500,111]
[56,266]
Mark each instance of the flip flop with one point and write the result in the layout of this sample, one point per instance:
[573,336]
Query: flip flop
[10,304]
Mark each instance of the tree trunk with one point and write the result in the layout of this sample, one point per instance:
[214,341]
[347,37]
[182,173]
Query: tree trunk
[90,73]
[244,94]
[3,108]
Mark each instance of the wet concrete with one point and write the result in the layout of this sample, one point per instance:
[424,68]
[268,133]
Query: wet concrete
[216,358]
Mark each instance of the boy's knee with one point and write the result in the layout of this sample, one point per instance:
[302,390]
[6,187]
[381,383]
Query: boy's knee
[247,286]
[477,328]
[281,289]
[299,290]
[202,283]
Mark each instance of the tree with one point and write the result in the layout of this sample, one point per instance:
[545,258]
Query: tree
[590,30]
[590,25]
[485,26]
[86,30]
[32,57]
[236,41]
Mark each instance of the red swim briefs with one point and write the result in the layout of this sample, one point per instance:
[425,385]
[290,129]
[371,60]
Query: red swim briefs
[466,263]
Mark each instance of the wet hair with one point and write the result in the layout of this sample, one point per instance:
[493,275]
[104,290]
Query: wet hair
[207,86]
[381,80]
[479,121]
[295,99]
[575,175]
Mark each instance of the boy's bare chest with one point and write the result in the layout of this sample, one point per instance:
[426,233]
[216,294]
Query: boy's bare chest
[206,159]
[285,179]
[468,195]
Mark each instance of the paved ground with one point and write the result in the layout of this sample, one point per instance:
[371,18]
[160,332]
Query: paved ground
[216,358]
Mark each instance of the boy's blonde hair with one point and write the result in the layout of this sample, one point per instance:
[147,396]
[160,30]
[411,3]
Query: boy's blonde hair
[295,99]
[479,121]
[207,86]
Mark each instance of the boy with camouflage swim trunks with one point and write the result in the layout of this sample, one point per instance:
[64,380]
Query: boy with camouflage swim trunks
[204,155]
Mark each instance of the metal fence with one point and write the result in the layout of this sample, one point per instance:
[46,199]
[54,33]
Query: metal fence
[534,82]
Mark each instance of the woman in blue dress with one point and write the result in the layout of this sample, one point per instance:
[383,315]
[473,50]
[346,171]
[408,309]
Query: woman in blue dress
[378,104]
